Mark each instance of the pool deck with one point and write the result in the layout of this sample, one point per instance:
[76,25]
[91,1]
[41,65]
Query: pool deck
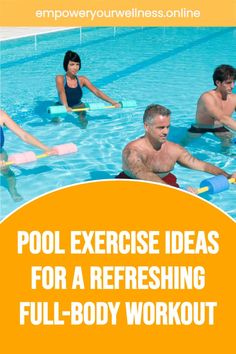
[7,33]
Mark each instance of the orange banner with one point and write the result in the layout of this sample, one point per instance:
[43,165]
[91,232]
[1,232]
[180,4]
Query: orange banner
[123,13]
[118,267]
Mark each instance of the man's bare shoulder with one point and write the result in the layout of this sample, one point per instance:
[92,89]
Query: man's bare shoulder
[207,95]
[173,147]
[137,144]
[233,96]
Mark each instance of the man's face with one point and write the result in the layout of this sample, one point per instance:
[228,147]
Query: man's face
[226,87]
[159,128]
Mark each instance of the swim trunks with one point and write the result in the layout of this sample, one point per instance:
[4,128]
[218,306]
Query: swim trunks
[1,137]
[201,130]
[73,94]
[169,179]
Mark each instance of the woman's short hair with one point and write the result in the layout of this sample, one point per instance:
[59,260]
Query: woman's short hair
[71,56]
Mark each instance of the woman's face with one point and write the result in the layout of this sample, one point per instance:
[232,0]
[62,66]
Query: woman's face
[73,67]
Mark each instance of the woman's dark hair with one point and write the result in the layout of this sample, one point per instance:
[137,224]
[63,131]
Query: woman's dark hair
[224,72]
[71,56]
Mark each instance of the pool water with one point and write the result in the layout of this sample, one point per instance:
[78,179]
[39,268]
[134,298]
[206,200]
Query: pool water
[169,66]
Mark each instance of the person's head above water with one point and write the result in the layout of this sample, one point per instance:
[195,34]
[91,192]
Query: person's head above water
[223,73]
[71,56]
[154,110]
[156,121]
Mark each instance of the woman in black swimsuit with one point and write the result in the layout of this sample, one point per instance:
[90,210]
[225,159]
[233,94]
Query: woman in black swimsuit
[69,86]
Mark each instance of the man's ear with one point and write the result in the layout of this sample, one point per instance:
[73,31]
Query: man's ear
[146,127]
[218,83]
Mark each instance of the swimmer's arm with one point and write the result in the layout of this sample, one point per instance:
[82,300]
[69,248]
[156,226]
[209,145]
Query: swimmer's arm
[61,91]
[217,113]
[187,160]
[133,165]
[85,82]
[22,134]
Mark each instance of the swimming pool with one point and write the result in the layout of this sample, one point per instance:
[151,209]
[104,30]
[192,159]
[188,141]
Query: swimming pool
[169,66]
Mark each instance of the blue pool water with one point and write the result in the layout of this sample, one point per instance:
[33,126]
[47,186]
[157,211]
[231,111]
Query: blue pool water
[169,66]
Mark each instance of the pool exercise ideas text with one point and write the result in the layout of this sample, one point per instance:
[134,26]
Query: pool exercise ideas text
[115,278]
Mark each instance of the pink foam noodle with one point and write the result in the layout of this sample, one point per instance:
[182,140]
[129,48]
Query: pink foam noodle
[24,157]
[65,148]
[30,156]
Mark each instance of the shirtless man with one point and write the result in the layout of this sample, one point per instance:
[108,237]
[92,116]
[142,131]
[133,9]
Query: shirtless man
[152,157]
[215,107]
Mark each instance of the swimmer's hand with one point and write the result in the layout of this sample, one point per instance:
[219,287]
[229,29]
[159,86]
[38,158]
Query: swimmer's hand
[192,190]
[2,164]
[69,109]
[50,151]
[116,104]
[233,176]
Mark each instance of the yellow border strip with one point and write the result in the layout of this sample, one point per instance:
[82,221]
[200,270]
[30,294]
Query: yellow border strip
[123,13]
